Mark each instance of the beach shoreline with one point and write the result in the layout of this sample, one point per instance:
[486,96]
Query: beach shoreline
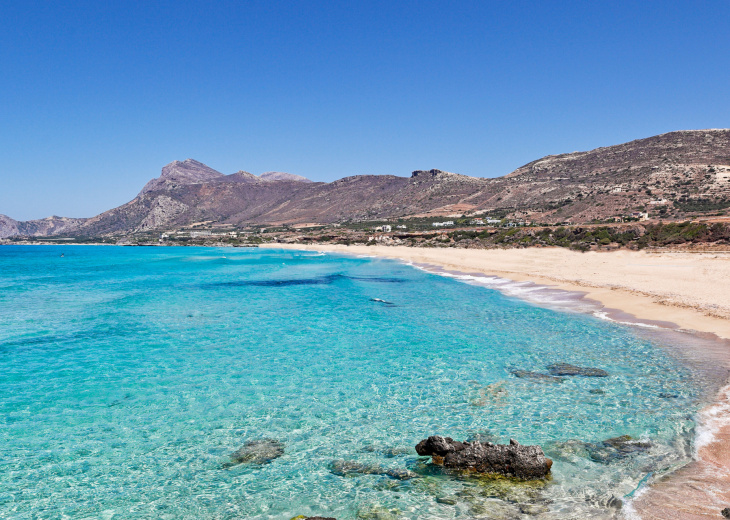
[666,290]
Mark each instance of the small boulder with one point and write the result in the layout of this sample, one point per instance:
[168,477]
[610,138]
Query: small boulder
[566,369]
[726,512]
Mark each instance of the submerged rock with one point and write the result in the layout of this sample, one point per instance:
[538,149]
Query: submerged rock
[533,509]
[514,460]
[616,448]
[377,512]
[537,376]
[604,452]
[566,369]
[388,452]
[451,501]
[261,451]
[346,468]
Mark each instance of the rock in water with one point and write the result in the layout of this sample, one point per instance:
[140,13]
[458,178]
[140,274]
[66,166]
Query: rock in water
[616,448]
[345,468]
[537,376]
[514,460]
[261,451]
[565,369]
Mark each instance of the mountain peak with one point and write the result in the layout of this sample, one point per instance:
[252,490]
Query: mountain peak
[188,171]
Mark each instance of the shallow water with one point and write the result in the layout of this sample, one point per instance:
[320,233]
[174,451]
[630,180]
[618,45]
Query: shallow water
[128,376]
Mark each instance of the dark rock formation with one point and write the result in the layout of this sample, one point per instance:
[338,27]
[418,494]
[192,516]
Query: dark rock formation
[260,451]
[566,369]
[726,512]
[346,468]
[528,462]
[537,376]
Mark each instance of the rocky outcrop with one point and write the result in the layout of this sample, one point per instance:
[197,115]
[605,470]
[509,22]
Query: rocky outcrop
[513,459]
[282,176]
[566,369]
[163,212]
[179,173]
[8,227]
[261,451]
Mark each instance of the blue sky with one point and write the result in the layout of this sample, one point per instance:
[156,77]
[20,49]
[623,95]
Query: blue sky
[96,97]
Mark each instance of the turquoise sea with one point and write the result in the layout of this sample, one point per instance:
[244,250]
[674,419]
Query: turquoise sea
[129,375]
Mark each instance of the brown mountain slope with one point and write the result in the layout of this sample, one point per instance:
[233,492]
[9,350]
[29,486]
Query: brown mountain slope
[41,227]
[672,175]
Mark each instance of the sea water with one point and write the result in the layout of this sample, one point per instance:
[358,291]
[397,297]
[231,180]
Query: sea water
[129,375]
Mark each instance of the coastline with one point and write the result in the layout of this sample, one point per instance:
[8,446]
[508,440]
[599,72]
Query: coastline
[685,292]
[686,289]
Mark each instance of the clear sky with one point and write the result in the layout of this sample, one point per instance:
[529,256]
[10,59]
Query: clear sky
[95,97]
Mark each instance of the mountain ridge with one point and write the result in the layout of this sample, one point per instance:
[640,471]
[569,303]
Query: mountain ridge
[673,175]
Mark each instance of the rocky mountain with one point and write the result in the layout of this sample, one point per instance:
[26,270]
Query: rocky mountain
[672,175]
[179,173]
[41,227]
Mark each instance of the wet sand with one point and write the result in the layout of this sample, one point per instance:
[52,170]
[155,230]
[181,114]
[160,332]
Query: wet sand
[678,291]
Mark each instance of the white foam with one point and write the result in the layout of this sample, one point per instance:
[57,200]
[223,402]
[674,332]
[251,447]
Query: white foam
[604,316]
[712,419]
[527,291]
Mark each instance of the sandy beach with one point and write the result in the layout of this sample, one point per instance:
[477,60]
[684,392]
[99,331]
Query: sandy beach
[678,290]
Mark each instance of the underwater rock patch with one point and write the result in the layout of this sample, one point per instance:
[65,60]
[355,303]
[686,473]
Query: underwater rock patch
[346,468]
[513,459]
[616,448]
[604,452]
[302,517]
[537,376]
[566,369]
[261,451]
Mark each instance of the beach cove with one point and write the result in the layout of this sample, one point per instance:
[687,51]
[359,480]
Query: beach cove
[681,291]
[230,383]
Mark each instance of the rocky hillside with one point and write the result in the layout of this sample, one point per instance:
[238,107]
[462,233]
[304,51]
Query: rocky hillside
[674,175]
[42,227]
[179,173]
